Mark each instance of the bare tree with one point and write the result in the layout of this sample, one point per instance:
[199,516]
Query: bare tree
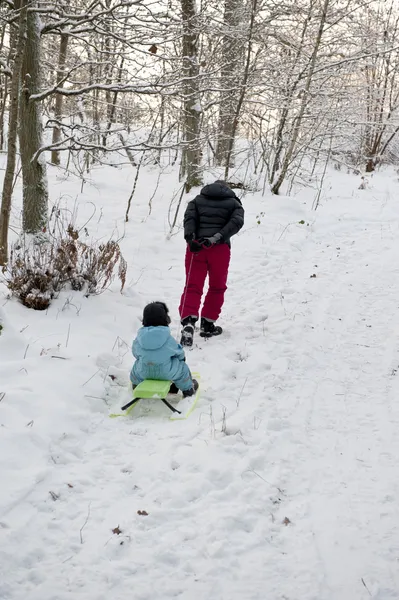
[5,72]
[55,154]
[191,156]
[34,176]
[158,82]
[12,131]
[230,77]
[379,29]
[304,100]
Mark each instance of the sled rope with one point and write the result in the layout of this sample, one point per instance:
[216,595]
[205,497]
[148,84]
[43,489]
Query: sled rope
[186,287]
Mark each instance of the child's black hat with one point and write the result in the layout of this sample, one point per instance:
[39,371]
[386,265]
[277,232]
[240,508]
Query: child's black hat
[156,314]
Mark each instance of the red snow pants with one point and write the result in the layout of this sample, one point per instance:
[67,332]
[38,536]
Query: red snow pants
[213,262]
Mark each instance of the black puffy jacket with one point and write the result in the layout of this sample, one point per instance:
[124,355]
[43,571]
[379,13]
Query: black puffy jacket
[216,210]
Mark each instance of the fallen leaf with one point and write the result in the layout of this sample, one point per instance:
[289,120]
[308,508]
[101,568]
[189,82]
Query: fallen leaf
[142,513]
[313,276]
[70,485]
[153,49]
[117,531]
[286,521]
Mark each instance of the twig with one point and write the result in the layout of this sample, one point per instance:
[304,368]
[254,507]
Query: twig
[59,357]
[177,209]
[26,351]
[85,523]
[106,374]
[257,474]
[266,481]
[364,583]
[129,202]
[224,423]
[119,341]
[153,194]
[86,382]
[68,334]
[242,389]
[2,394]
[284,230]
[257,422]
[67,559]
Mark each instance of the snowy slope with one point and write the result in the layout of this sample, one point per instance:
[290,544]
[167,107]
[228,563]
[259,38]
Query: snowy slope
[283,484]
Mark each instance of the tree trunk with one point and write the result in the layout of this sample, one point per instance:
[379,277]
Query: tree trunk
[107,75]
[3,88]
[232,59]
[12,132]
[112,108]
[55,154]
[4,94]
[191,155]
[34,175]
[304,102]
[243,90]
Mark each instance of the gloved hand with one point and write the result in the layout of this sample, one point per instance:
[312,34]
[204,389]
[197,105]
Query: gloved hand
[194,246]
[211,241]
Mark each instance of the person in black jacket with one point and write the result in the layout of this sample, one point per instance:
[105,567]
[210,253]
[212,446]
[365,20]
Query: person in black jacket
[210,220]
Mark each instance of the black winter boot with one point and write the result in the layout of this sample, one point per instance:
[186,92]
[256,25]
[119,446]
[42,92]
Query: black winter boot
[187,334]
[209,329]
[188,393]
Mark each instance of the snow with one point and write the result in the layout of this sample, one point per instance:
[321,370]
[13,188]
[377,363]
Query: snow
[283,483]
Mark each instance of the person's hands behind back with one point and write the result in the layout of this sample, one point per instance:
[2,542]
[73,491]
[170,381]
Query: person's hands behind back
[194,246]
[211,241]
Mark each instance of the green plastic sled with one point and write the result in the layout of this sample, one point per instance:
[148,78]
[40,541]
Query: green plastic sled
[151,389]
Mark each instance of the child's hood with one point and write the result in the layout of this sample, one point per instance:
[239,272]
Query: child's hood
[153,338]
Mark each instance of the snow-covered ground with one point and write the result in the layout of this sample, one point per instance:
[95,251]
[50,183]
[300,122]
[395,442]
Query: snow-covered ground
[283,484]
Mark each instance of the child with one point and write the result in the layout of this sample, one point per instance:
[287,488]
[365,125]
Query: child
[158,355]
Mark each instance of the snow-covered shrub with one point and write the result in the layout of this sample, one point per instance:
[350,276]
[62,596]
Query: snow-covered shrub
[30,274]
[39,269]
[95,267]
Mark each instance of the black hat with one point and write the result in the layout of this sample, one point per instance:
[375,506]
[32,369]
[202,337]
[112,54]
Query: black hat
[156,314]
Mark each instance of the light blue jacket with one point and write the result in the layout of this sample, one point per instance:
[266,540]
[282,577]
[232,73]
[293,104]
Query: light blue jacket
[159,356]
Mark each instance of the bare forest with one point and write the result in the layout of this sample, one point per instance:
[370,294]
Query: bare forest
[279,88]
